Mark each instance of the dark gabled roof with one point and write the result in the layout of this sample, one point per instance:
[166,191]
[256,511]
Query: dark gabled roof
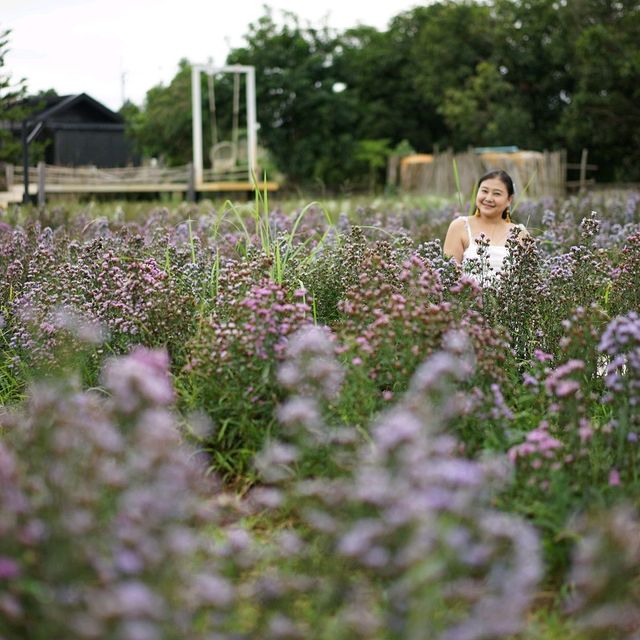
[50,109]
[55,105]
[42,100]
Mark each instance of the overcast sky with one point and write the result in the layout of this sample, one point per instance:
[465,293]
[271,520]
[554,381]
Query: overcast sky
[115,49]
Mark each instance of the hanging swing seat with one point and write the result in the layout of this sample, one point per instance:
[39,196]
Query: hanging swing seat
[223,156]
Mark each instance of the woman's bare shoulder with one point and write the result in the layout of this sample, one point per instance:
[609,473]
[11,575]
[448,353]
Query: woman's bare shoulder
[454,244]
[458,222]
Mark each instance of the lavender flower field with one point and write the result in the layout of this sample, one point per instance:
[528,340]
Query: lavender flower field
[258,421]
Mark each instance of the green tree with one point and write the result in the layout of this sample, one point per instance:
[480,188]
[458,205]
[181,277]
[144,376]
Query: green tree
[132,115]
[12,96]
[376,69]
[534,73]
[533,54]
[374,154]
[162,128]
[306,121]
[400,76]
[486,111]
[603,114]
[449,40]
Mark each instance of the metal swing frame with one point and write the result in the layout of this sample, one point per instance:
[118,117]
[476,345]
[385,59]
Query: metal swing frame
[196,110]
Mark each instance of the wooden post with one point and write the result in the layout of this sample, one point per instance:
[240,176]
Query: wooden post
[8,173]
[562,173]
[25,164]
[393,164]
[41,184]
[191,184]
[583,170]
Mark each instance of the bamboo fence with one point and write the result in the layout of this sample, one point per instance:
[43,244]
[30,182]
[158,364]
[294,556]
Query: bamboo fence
[534,173]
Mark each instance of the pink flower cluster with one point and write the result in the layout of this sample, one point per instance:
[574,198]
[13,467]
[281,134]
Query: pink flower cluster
[559,384]
[539,449]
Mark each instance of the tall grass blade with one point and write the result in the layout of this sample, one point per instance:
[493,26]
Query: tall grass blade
[524,191]
[456,176]
[229,206]
[380,229]
[472,200]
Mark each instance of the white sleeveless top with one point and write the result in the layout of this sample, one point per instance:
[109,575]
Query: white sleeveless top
[494,257]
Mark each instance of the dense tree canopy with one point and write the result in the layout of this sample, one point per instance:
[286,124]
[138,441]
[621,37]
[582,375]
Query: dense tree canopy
[539,74]
[12,93]
[604,110]
[17,107]
[306,121]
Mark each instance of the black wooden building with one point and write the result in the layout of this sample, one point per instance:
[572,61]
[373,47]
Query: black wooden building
[80,131]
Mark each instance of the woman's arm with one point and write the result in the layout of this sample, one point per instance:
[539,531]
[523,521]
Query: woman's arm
[453,246]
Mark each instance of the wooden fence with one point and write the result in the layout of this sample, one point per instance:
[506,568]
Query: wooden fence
[49,179]
[534,173]
[115,176]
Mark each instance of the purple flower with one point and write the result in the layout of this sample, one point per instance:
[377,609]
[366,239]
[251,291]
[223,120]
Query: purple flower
[141,378]
[300,411]
[9,568]
[556,382]
[541,356]
[614,478]
[358,540]
[500,408]
[131,599]
[213,590]
[538,443]
[311,367]
[398,427]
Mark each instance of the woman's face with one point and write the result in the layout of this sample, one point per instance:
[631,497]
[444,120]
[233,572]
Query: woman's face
[492,198]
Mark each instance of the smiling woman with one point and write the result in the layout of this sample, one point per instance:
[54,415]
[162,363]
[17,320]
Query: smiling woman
[469,238]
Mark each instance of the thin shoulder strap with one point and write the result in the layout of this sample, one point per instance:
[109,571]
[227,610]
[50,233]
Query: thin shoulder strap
[466,224]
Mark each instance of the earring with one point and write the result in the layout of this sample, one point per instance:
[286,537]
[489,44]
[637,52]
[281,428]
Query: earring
[476,212]
[506,215]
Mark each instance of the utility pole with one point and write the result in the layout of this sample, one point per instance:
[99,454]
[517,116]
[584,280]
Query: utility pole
[123,93]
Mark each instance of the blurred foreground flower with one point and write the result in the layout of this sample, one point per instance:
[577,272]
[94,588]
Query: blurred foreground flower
[605,576]
[410,544]
[104,514]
